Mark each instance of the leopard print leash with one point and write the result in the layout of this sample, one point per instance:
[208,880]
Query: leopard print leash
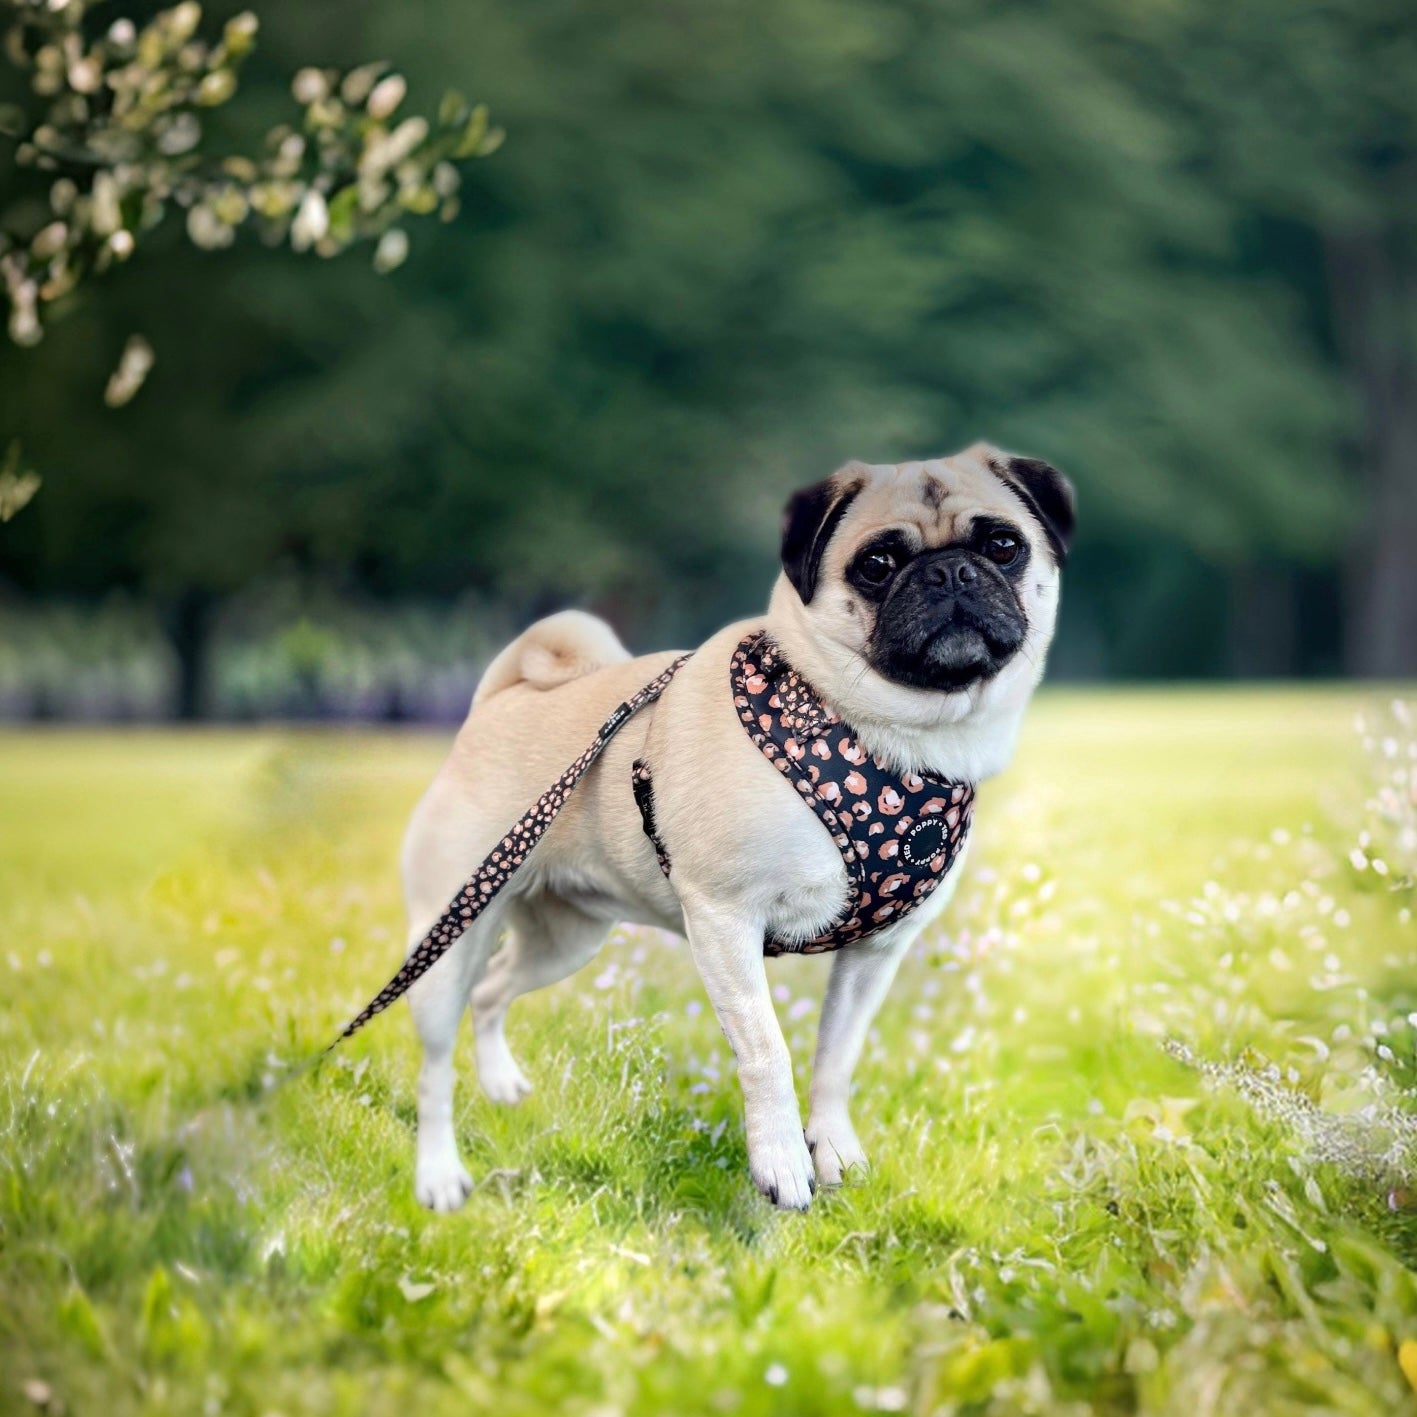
[497,869]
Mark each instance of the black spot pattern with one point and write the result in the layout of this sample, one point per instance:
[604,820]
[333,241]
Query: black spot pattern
[898,833]
[510,852]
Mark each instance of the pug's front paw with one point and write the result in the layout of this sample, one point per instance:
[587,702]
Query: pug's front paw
[781,1167]
[835,1148]
[442,1183]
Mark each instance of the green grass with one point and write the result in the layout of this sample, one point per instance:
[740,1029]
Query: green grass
[1060,1218]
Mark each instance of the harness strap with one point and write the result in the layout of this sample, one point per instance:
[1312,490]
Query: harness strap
[496,870]
[899,833]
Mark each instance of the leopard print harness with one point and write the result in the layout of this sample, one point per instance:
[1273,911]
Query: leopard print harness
[899,833]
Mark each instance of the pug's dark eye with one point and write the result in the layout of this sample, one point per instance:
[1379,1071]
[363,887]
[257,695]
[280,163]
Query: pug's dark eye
[875,568]
[1002,548]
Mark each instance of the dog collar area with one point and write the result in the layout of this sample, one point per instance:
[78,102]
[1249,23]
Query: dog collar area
[899,833]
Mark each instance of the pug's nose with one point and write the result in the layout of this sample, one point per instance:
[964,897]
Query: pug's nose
[954,571]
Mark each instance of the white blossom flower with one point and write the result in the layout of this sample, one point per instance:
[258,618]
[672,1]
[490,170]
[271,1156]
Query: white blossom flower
[311,222]
[386,96]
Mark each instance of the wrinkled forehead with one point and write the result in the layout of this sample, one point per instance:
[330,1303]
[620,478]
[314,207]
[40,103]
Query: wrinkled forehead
[937,500]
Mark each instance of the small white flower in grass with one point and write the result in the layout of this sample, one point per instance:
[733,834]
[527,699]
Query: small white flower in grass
[781,993]
[1358,858]
[693,1008]
[776,1375]
[880,1399]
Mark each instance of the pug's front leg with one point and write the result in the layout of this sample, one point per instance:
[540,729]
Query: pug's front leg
[728,950]
[861,975]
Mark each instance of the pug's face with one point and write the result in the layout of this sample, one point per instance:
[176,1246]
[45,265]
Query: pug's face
[941,575]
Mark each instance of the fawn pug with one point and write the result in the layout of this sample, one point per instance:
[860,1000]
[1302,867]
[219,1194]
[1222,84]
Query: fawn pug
[803,784]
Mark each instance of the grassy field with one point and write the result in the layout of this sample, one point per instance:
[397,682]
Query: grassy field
[1061,1217]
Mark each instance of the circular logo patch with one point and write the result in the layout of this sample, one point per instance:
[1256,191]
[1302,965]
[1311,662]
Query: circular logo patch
[924,841]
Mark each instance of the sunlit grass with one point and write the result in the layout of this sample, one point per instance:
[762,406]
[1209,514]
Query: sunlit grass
[1060,1215]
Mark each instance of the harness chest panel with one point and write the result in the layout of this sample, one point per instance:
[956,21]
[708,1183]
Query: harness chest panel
[899,834]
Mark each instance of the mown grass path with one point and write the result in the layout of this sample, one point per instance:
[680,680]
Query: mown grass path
[1060,1216]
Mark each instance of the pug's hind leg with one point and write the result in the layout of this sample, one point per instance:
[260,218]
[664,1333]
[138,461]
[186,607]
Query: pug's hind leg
[861,975]
[548,940]
[437,1001]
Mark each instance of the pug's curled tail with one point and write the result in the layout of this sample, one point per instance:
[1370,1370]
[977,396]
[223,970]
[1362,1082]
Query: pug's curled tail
[553,651]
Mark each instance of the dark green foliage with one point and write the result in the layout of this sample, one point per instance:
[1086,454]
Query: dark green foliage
[730,246]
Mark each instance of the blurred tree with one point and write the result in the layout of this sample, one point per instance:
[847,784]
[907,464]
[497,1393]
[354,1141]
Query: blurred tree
[1305,119]
[800,232]
[736,245]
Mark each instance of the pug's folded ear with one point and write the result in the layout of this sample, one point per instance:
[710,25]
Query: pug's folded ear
[1046,493]
[808,521]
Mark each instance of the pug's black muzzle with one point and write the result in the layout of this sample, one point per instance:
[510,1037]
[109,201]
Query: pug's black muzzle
[951,618]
